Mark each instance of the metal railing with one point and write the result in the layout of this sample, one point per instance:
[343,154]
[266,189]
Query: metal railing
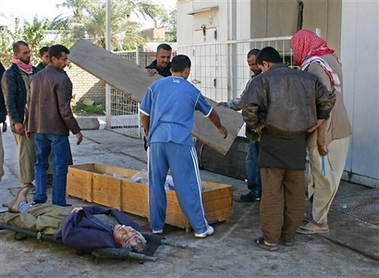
[219,70]
[124,115]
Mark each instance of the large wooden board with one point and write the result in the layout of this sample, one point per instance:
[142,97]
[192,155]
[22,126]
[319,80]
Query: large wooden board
[125,75]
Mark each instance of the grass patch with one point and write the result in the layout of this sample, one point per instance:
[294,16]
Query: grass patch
[82,109]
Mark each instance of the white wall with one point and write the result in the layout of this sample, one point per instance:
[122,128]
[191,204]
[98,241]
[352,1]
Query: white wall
[359,56]
[349,26]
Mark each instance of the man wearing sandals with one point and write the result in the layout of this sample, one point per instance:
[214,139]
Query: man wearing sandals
[283,104]
[329,144]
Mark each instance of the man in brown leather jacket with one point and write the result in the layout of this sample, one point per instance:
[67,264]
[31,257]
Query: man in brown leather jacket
[50,120]
[283,104]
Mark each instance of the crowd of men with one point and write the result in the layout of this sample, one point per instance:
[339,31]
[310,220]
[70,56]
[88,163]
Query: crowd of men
[288,112]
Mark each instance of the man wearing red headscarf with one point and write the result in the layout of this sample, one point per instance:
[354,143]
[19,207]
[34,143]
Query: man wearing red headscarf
[15,87]
[328,145]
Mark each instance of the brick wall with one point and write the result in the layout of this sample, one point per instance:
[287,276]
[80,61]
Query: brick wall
[85,85]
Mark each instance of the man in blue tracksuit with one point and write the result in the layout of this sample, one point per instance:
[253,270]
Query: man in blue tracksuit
[167,114]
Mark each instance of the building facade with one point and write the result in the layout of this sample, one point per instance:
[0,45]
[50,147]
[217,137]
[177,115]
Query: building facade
[217,34]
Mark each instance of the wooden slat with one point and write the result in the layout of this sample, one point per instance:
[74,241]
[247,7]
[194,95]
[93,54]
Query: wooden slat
[127,76]
[79,184]
[106,191]
[218,204]
[219,215]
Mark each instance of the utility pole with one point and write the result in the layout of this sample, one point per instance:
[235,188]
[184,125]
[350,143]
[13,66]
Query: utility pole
[108,47]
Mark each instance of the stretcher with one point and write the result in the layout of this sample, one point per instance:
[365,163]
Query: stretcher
[153,242]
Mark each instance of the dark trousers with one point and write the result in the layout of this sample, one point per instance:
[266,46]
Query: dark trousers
[282,203]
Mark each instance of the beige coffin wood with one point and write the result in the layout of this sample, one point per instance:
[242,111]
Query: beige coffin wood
[127,76]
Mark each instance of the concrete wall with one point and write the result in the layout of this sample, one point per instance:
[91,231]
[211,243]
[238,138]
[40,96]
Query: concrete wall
[272,18]
[157,34]
[325,15]
[85,85]
[256,19]
[359,56]
[192,15]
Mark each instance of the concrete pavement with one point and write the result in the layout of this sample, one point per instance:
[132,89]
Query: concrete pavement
[350,249]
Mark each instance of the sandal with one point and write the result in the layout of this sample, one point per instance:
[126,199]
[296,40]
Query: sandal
[288,242]
[313,228]
[308,216]
[261,243]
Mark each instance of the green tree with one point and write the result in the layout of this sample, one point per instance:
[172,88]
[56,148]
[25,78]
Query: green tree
[32,33]
[171,24]
[89,19]
[155,12]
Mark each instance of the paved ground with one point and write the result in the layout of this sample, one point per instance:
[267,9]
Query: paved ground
[351,249]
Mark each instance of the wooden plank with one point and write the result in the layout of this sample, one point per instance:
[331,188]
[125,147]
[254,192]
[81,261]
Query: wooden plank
[106,191]
[206,132]
[219,216]
[208,185]
[127,76]
[218,204]
[79,184]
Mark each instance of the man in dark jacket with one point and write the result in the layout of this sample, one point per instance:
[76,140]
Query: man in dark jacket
[44,57]
[94,227]
[15,85]
[282,104]
[50,119]
[161,65]
[81,228]
[3,115]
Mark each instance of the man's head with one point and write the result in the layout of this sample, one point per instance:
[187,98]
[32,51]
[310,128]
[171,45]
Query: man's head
[163,55]
[181,66]
[44,55]
[58,56]
[21,51]
[268,57]
[304,43]
[126,236]
[251,61]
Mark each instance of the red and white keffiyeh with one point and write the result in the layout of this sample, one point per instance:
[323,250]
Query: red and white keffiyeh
[28,68]
[307,48]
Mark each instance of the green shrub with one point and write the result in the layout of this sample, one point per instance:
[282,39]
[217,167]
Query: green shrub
[95,109]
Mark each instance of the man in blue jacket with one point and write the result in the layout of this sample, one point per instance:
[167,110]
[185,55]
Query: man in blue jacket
[83,228]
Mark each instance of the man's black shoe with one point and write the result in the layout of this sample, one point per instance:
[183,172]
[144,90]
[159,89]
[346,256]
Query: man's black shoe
[36,202]
[249,198]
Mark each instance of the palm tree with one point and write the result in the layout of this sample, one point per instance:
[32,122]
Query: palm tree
[89,16]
